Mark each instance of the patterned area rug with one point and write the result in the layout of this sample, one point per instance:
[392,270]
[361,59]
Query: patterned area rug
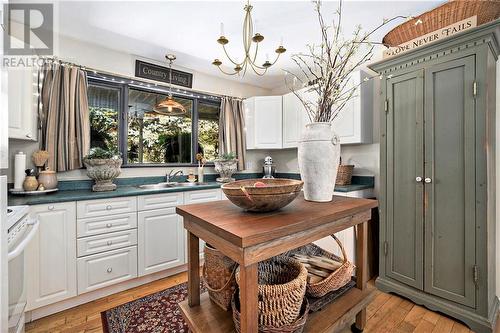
[156,313]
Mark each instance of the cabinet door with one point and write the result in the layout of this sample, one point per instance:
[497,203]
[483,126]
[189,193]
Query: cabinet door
[450,166]
[193,197]
[22,104]
[160,239]
[51,256]
[294,120]
[354,124]
[404,195]
[268,122]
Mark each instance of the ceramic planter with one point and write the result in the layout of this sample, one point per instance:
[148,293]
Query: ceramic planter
[226,168]
[319,157]
[103,171]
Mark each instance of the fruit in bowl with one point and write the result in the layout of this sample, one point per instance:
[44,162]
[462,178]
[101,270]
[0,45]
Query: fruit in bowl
[262,195]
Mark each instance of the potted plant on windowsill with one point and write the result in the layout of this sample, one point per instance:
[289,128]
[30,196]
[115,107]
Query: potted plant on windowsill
[226,164]
[103,166]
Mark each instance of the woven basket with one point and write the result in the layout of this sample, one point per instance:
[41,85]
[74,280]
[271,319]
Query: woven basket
[282,286]
[344,174]
[442,16]
[296,327]
[339,278]
[219,275]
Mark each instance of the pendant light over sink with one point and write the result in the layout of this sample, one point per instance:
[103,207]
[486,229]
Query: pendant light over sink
[169,106]
[250,56]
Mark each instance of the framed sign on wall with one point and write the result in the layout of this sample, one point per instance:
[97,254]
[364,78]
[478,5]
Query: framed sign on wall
[154,72]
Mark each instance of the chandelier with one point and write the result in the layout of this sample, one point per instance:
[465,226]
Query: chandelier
[250,58]
[168,106]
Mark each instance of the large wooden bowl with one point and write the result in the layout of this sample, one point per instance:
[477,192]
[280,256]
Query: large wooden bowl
[275,195]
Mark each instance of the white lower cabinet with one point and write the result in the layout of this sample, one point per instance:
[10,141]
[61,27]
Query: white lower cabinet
[200,197]
[51,256]
[107,268]
[161,240]
[347,236]
[87,245]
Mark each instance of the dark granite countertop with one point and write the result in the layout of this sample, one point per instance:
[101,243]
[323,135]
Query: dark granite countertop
[80,190]
[87,194]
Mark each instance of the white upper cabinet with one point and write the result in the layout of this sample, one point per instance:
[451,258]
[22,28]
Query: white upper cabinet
[275,122]
[22,104]
[264,121]
[354,124]
[294,120]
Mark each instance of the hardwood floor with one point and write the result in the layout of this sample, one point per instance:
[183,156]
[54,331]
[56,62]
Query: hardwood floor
[387,313]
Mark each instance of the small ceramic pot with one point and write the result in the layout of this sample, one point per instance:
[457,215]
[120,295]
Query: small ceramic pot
[48,178]
[30,183]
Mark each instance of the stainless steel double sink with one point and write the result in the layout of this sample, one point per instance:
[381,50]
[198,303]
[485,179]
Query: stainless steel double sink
[160,186]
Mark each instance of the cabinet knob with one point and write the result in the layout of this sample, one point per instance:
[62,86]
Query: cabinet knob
[418,179]
[29,136]
[109,243]
[428,180]
[109,270]
[109,225]
[108,207]
[50,207]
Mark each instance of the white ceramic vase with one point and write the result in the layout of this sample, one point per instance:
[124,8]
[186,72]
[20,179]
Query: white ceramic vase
[319,157]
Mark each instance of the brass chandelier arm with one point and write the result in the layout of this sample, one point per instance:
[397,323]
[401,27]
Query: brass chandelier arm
[227,73]
[230,59]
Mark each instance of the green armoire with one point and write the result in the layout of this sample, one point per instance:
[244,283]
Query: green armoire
[437,167]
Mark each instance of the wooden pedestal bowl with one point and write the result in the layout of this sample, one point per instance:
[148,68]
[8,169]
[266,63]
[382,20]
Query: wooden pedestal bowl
[262,195]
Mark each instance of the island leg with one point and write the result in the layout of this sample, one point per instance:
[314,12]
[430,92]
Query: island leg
[193,269]
[249,298]
[361,263]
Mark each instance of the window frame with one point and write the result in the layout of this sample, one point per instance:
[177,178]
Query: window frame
[124,85]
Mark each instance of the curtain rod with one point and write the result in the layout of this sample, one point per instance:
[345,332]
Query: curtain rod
[98,71]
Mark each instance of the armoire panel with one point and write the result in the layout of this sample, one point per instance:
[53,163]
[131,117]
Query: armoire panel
[404,193]
[450,194]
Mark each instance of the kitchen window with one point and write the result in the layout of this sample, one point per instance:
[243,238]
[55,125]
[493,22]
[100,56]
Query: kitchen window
[122,117]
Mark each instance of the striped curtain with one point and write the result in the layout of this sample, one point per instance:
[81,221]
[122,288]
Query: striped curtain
[232,129]
[64,115]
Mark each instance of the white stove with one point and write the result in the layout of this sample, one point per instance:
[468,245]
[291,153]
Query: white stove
[21,229]
[14,214]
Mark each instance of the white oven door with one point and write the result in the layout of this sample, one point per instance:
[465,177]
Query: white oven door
[17,280]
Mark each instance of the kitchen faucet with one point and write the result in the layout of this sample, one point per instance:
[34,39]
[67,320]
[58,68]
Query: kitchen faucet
[170,176]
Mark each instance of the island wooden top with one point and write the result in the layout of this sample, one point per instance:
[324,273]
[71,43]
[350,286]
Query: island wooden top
[245,229]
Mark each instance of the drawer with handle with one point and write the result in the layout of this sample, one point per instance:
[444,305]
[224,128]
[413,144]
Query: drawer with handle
[193,197]
[105,224]
[157,201]
[101,243]
[105,269]
[105,207]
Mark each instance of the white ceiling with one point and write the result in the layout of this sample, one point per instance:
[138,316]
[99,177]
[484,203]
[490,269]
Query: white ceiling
[190,28]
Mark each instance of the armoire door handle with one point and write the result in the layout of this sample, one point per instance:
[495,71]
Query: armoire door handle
[428,180]
[418,179]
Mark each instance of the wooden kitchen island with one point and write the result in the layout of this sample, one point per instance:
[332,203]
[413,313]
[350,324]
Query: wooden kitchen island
[248,238]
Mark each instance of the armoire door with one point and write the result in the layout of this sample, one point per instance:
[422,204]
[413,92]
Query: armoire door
[450,180]
[404,193]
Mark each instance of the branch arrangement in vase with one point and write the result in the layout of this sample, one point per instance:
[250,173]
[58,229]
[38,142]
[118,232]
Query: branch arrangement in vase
[326,68]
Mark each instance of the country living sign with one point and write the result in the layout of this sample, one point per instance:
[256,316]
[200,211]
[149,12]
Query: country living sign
[154,72]
[431,37]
